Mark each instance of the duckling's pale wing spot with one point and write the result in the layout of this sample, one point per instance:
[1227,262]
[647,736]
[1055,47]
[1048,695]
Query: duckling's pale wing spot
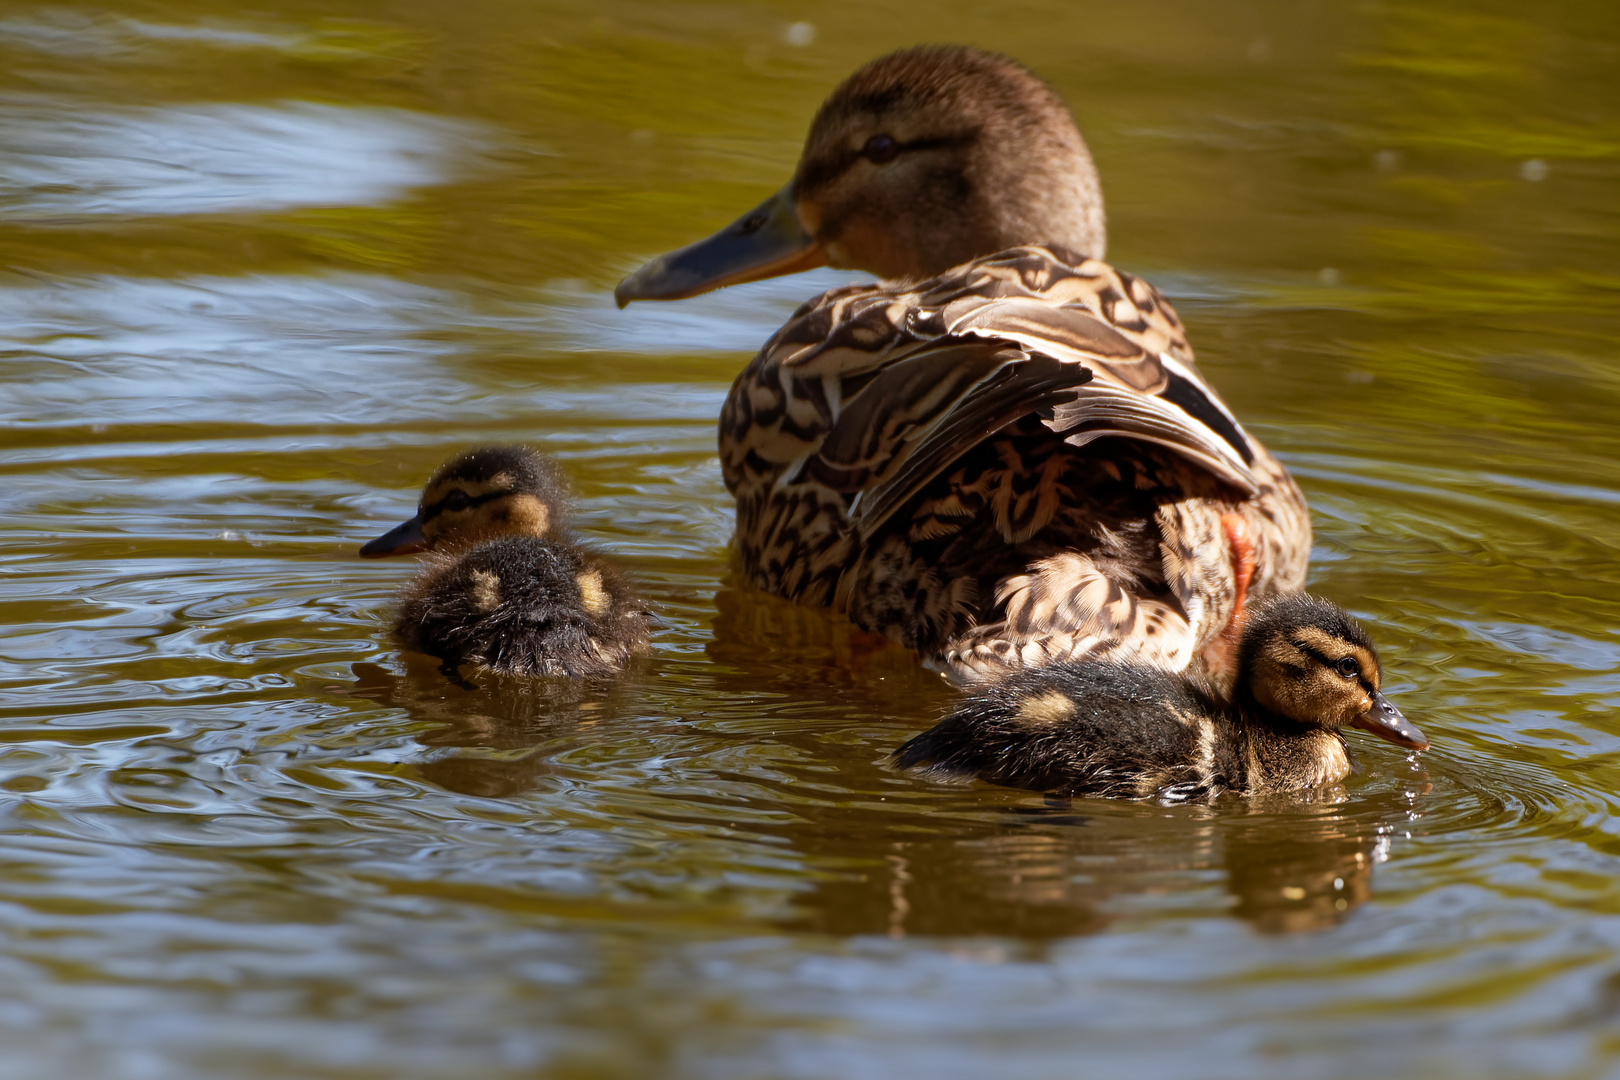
[486,590]
[1045,709]
[592,594]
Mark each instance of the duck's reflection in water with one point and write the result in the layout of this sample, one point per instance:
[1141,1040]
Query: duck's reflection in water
[759,634]
[1056,872]
[1049,867]
[1291,872]
[890,855]
[504,721]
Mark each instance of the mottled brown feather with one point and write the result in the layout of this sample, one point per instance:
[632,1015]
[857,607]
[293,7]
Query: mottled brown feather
[1015,462]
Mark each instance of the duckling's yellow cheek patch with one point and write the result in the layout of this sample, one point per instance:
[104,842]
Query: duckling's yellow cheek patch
[527,515]
[1051,707]
[486,590]
[591,592]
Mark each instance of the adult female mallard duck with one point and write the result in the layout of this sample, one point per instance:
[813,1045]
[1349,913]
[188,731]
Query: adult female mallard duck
[506,592]
[1006,455]
[1306,669]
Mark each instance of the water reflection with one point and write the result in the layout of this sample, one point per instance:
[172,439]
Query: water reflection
[1036,868]
[1053,870]
[65,32]
[504,721]
[67,160]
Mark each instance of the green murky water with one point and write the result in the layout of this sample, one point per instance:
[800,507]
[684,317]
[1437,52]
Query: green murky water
[262,268]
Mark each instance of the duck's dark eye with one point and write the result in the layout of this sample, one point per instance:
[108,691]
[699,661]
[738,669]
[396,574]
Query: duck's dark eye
[1348,667]
[880,149]
[456,500]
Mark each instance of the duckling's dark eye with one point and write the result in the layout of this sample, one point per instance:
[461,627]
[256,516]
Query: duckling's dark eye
[456,500]
[880,149]
[1348,667]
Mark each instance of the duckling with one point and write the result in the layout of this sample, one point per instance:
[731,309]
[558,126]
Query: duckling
[1305,670]
[1004,455]
[504,591]
[485,492]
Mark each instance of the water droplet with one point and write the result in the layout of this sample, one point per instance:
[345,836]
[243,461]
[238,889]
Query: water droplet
[1533,170]
[800,34]
[1387,160]
[1329,276]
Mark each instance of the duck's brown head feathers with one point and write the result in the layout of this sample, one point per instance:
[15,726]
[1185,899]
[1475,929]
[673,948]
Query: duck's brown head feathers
[929,157]
[920,161]
[487,492]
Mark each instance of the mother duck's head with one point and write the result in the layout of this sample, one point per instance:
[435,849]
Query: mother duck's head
[921,160]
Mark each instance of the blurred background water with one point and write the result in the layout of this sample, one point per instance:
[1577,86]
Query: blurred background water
[261,268]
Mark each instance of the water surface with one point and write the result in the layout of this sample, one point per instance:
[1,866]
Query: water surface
[263,269]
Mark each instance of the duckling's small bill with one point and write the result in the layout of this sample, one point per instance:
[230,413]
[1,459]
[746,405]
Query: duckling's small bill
[403,539]
[1385,721]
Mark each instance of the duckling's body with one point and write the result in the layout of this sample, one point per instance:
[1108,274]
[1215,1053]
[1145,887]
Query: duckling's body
[1005,456]
[505,590]
[1306,670]
[524,605]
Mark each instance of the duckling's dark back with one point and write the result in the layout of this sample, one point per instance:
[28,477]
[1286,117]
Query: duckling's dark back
[525,606]
[1105,729]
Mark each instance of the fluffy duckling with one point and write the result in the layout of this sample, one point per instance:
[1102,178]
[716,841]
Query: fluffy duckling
[1306,669]
[505,592]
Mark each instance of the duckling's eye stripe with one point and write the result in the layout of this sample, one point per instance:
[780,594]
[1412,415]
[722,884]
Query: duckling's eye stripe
[1315,654]
[477,500]
[1322,658]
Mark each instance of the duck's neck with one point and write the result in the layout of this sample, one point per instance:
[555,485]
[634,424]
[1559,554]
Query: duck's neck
[1282,755]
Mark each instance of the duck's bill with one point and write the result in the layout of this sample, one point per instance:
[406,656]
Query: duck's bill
[768,241]
[1385,721]
[402,539]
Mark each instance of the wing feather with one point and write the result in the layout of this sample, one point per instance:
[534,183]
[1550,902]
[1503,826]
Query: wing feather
[1024,384]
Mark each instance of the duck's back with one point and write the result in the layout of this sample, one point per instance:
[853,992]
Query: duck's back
[1013,463]
[524,606]
[1100,729]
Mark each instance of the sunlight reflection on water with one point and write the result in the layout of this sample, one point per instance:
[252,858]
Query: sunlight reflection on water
[65,161]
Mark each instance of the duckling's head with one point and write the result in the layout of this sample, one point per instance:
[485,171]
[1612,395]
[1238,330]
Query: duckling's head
[1306,659]
[484,493]
[921,160]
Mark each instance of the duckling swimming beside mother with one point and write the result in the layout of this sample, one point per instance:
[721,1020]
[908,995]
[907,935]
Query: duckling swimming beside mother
[504,590]
[1306,670]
